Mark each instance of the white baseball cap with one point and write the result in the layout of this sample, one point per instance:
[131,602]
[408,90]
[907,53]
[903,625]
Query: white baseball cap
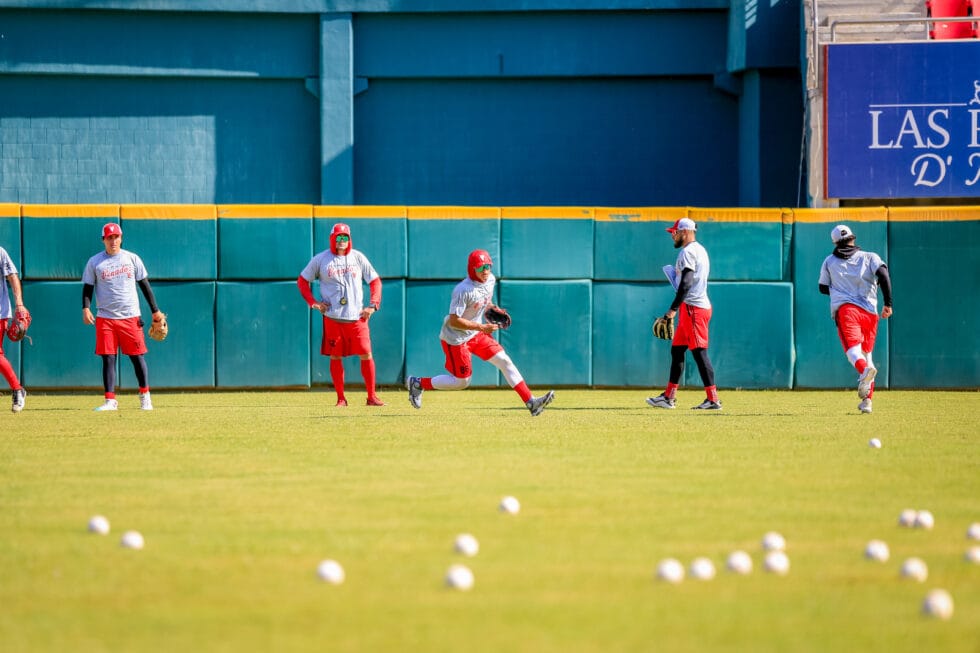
[841,232]
[684,224]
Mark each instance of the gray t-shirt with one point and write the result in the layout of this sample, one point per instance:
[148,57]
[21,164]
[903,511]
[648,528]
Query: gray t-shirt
[7,268]
[852,280]
[694,256]
[470,300]
[342,281]
[114,278]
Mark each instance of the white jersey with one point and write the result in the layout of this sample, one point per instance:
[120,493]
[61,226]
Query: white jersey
[852,280]
[114,278]
[341,282]
[694,256]
[7,268]
[470,300]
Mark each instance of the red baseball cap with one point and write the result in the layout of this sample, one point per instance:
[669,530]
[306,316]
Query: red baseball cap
[111,229]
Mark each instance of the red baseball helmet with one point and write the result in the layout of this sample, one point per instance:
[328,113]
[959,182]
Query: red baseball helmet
[477,258]
[338,229]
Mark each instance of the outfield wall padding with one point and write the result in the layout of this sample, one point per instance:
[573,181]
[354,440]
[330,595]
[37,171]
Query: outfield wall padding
[61,353]
[264,241]
[59,239]
[175,241]
[441,238]
[547,243]
[380,232]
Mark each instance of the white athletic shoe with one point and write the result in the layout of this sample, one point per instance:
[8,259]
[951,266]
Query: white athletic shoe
[19,398]
[110,404]
[865,380]
[414,385]
[145,403]
[865,405]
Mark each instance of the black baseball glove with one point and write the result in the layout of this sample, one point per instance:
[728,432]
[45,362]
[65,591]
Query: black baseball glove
[498,316]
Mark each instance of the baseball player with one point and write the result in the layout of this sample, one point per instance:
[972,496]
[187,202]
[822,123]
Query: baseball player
[342,271]
[9,272]
[851,277]
[113,275]
[691,301]
[464,333]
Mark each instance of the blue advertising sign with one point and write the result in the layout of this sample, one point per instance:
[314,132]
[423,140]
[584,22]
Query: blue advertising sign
[902,120]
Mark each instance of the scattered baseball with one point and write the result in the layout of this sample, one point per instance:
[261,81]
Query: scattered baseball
[467,545]
[98,524]
[702,569]
[773,541]
[330,571]
[510,505]
[938,604]
[915,569]
[876,550]
[459,577]
[739,562]
[907,518]
[924,519]
[776,562]
[973,555]
[973,532]
[670,570]
[874,443]
[131,540]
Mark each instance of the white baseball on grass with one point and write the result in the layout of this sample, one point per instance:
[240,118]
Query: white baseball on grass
[459,577]
[777,562]
[924,520]
[739,562]
[467,545]
[973,555]
[907,518]
[98,524]
[670,570]
[330,571]
[874,443]
[702,569]
[939,604]
[916,569]
[877,550]
[973,532]
[773,541]
[132,540]
[510,505]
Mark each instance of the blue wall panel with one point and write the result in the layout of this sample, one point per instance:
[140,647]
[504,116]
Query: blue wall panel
[264,242]
[10,233]
[630,243]
[63,351]
[743,244]
[381,233]
[174,241]
[624,351]
[262,334]
[439,246]
[59,240]
[546,244]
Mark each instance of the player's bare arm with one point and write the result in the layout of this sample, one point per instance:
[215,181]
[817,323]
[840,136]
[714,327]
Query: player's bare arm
[457,322]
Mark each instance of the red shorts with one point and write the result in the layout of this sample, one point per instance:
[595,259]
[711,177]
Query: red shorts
[3,330]
[126,335]
[856,326]
[692,327]
[345,338]
[459,362]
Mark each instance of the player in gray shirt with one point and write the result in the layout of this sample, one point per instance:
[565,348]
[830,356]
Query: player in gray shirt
[9,272]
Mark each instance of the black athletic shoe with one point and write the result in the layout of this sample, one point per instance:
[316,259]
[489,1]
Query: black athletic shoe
[707,404]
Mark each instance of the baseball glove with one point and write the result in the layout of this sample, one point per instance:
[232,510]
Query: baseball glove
[498,316]
[159,328]
[17,329]
[663,328]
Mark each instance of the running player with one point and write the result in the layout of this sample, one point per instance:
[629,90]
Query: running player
[851,277]
[691,301]
[9,272]
[113,276]
[464,333]
[342,270]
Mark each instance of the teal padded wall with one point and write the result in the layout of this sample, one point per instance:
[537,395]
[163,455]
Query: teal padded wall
[379,232]
[186,359]
[820,359]
[10,233]
[631,244]
[546,243]
[441,238]
[751,336]
[564,359]
[624,351]
[935,273]
[423,349]
[174,241]
[263,335]
[264,242]
[743,251]
[60,239]
[387,340]
[63,351]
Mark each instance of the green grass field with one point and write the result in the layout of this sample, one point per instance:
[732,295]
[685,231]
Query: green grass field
[240,496]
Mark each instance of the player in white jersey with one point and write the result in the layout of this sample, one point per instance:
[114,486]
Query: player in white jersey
[464,333]
[113,275]
[691,301]
[851,277]
[9,272]
[342,271]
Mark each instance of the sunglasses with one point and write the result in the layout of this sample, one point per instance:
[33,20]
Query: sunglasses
[485,267]
[343,238]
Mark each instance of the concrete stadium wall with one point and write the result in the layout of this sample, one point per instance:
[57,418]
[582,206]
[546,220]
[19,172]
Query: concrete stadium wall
[582,283]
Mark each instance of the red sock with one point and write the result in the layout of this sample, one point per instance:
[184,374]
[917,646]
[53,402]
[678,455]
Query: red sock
[860,365]
[524,392]
[110,395]
[426,382]
[367,371]
[8,373]
[337,375]
[712,393]
[871,392]
[671,390]
[143,391]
